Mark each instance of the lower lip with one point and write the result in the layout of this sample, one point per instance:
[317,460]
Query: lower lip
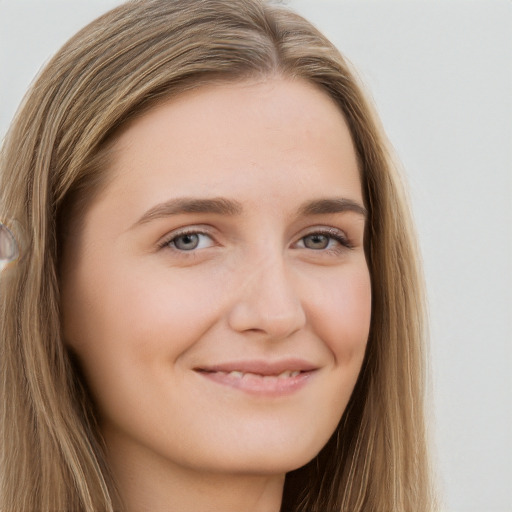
[259,384]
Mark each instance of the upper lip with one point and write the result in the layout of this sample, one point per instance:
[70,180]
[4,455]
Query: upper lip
[261,367]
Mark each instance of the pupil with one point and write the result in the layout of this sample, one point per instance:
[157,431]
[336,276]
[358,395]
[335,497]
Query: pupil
[187,242]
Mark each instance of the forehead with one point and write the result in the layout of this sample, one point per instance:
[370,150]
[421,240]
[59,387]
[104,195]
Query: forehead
[274,141]
[243,124]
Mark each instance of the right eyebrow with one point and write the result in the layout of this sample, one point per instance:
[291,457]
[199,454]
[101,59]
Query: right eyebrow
[218,205]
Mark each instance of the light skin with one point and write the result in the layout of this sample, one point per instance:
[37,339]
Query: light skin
[226,249]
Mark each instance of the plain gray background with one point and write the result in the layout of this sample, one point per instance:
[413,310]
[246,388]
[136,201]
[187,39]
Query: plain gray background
[440,76]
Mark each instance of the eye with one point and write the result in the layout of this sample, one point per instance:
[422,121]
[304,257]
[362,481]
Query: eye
[189,241]
[324,240]
[316,241]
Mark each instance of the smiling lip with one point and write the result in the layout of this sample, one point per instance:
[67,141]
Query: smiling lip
[261,377]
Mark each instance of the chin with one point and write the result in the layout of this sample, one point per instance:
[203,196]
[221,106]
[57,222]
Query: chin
[270,457]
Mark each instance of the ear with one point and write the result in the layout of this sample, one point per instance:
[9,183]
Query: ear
[9,249]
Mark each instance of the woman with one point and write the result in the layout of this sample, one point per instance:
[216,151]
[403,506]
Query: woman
[217,304]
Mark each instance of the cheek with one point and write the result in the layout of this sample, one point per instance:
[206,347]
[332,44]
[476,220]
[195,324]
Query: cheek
[128,326]
[342,314]
[115,316]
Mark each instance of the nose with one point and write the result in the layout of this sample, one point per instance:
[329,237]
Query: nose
[267,302]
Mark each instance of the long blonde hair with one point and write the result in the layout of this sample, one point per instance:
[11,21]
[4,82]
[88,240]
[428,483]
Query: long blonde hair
[53,161]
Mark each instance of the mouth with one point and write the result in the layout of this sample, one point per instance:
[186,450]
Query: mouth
[261,378]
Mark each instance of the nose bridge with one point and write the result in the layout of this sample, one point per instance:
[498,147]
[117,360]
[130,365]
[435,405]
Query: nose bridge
[267,300]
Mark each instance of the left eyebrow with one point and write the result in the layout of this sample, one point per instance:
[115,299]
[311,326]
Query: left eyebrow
[332,205]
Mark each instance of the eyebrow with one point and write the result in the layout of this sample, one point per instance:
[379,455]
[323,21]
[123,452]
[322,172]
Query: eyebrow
[183,205]
[332,205]
[229,207]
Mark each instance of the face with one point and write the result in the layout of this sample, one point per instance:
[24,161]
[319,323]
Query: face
[217,295]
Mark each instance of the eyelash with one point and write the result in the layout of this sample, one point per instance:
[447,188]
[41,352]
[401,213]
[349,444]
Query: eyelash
[331,233]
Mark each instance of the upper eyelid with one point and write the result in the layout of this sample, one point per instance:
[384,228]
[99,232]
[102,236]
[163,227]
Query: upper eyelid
[324,229]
